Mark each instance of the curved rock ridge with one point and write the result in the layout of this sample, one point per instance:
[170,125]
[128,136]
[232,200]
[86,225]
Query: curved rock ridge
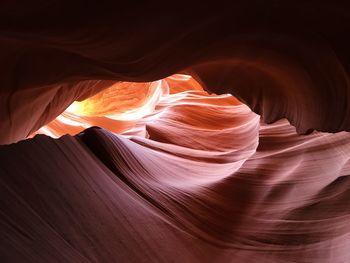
[284,60]
[186,133]
[199,178]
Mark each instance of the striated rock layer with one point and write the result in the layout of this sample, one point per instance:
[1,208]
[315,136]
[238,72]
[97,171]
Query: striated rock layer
[178,170]
[285,60]
[198,179]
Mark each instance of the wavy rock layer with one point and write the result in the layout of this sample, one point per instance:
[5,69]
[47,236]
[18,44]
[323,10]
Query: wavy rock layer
[197,179]
[174,174]
[284,60]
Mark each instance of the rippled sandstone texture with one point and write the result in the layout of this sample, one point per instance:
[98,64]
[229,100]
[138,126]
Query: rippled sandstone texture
[174,174]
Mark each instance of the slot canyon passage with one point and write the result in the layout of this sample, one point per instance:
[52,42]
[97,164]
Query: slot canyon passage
[178,132]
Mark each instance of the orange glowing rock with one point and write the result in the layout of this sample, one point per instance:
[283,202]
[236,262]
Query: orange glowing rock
[119,107]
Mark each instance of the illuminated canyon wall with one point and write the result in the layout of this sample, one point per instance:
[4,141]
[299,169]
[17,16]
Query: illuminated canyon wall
[186,134]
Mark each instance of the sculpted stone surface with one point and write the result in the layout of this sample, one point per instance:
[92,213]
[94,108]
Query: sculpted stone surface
[186,134]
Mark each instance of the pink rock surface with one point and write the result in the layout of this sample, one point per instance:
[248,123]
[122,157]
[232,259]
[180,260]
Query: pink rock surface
[173,173]
[205,182]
